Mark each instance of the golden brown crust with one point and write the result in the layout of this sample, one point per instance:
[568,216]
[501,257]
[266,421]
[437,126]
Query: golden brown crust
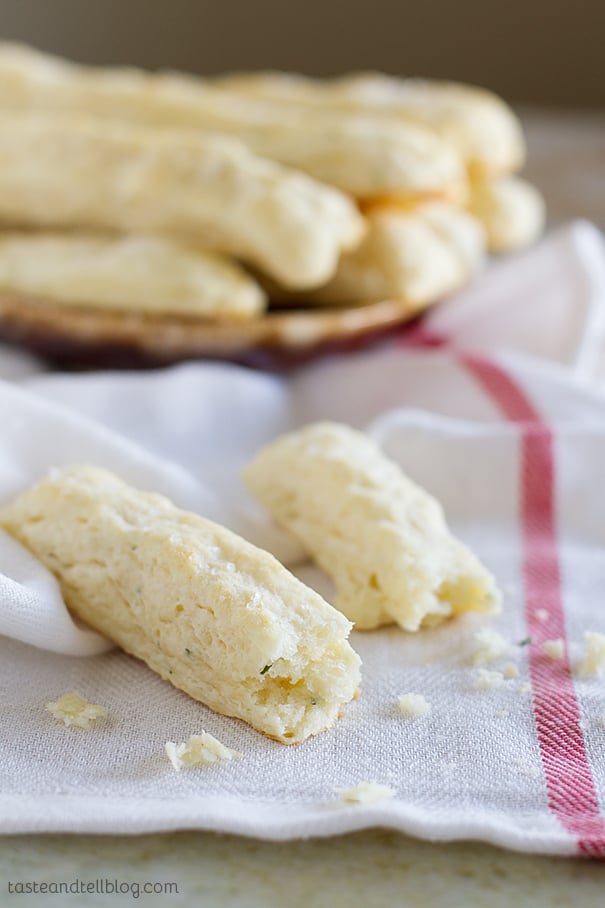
[456,194]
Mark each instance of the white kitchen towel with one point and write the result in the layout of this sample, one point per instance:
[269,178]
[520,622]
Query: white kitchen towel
[511,440]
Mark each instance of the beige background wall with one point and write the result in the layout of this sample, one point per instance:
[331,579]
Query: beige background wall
[544,51]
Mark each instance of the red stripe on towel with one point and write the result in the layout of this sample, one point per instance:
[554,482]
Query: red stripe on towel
[571,791]
[572,795]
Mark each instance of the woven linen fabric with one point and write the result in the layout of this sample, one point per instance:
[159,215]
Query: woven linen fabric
[495,406]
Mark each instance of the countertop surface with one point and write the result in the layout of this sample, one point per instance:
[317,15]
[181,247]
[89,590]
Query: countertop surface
[374,868]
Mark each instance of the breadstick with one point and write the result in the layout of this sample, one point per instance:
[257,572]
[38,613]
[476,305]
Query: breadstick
[126,274]
[418,255]
[481,126]
[381,537]
[361,155]
[511,211]
[70,171]
[219,618]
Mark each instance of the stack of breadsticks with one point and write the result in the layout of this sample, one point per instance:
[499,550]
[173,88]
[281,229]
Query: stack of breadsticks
[128,198]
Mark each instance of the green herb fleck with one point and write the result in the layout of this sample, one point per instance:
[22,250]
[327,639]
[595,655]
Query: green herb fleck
[169,671]
[188,651]
[266,668]
[313,701]
[526,641]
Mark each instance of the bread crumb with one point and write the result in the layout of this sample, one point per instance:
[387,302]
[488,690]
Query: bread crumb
[510,670]
[542,615]
[554,649]
[199,750]
[524,688]
[413,705]
[490,646]
[366,793]
[73,709]
[502,713]
[593,662]
[487,680]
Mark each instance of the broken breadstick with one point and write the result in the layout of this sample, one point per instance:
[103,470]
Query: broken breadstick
[219,618]
[382,538]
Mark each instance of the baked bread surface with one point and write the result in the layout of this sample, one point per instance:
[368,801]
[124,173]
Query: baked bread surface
[362,155]
[380,536]
[219,618]
[127,274]
[67,170]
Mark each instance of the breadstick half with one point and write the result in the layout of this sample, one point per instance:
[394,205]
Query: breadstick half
[380,536]
[219,618]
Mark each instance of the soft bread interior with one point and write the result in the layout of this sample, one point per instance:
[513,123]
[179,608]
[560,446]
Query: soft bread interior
[219,618]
